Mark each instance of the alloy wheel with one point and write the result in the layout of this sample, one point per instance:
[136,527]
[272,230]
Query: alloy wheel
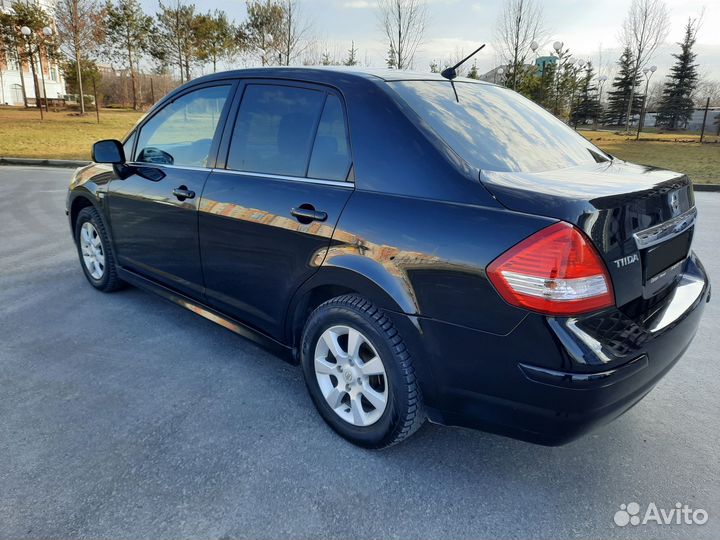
[92,250]
[351,375]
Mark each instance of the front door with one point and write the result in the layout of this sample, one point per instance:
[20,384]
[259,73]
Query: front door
[266,220]
[153,212]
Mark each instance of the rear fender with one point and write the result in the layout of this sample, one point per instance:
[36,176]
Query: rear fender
[350,274]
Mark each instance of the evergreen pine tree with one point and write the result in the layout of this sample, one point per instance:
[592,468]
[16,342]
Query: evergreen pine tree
[352,55]
[619,96]
[676,104]
[473,73]
[586,106]
[391,59]
[539,86]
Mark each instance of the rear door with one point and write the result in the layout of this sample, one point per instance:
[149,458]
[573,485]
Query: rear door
[268,212]
[154,210]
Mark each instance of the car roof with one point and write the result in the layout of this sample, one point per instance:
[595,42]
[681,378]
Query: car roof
[310,73]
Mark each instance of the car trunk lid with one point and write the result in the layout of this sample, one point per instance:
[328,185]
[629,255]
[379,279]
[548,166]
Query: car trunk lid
[641,219]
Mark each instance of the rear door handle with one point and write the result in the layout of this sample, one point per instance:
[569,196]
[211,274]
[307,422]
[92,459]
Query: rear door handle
[183,193]
[306,215]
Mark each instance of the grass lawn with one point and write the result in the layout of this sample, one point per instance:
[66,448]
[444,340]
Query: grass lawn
[61,135]
[65,136]
[674,151]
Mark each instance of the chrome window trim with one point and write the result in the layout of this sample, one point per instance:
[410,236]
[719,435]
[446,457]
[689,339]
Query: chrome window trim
[164,166]
[343,183]
[666,230]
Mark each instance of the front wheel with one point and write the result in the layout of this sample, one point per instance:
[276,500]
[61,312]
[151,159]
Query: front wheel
[95,252]
[359,373]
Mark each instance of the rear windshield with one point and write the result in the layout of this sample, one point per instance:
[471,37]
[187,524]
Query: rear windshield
[496,129]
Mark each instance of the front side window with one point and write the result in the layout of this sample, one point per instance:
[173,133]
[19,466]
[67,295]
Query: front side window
[275,130]
[495,129]
[128,146]
[182,132]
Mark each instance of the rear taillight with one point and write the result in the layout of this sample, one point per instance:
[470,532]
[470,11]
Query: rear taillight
[555,271]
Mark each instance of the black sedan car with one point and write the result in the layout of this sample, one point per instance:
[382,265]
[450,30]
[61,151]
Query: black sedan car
[425,249]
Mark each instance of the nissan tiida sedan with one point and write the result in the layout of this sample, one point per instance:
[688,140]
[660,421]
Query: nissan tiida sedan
[423,248]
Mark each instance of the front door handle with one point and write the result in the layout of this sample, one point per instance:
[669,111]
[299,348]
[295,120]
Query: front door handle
[306,214]
[183,193]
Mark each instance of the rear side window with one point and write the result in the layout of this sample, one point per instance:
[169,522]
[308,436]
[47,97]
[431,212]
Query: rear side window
[331,152]
[275,130]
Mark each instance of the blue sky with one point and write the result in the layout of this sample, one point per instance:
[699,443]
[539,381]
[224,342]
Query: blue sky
[455,26]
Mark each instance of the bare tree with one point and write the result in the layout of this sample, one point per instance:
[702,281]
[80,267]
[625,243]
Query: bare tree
[708,88]
[296,29]
[646,26]
[519,25]
[403,22]
[81,30]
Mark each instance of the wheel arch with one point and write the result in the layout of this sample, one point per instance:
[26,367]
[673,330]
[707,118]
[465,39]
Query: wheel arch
[78,202]
[346,275]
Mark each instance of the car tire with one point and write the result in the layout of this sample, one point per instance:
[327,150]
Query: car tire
[360,416]
[95,251]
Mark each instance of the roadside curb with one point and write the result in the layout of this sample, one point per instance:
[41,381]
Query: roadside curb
[66,163]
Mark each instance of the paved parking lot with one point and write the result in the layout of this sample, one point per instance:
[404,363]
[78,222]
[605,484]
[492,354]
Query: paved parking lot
[124,416]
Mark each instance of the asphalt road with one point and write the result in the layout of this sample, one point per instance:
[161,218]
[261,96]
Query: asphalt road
[124,416]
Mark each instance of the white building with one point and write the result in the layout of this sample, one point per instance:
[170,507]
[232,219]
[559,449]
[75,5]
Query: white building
[12,76]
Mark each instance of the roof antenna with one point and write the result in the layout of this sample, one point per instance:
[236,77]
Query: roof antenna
[451,73]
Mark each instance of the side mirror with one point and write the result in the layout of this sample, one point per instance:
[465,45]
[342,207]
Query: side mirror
[108,151]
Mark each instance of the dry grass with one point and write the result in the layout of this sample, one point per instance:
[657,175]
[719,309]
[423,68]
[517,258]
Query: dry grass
[63,135]
[675,151]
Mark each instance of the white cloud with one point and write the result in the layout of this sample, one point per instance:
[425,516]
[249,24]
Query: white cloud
[358,4]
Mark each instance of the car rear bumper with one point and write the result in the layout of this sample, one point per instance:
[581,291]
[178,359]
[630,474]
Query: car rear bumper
[551,380]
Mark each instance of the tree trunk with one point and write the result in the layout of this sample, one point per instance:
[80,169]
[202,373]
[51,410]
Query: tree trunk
[632,96]
[79,81]
[35,82]
[518,22]
[399,46]
[132,77]
[288,35]
[22,76]
[78,55]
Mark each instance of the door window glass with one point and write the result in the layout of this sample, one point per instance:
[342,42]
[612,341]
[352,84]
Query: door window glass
[182,132]
[331,153]
[275,130]
[128,146]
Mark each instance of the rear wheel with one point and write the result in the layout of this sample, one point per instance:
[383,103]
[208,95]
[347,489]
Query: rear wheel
[96,257]
[360,374]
